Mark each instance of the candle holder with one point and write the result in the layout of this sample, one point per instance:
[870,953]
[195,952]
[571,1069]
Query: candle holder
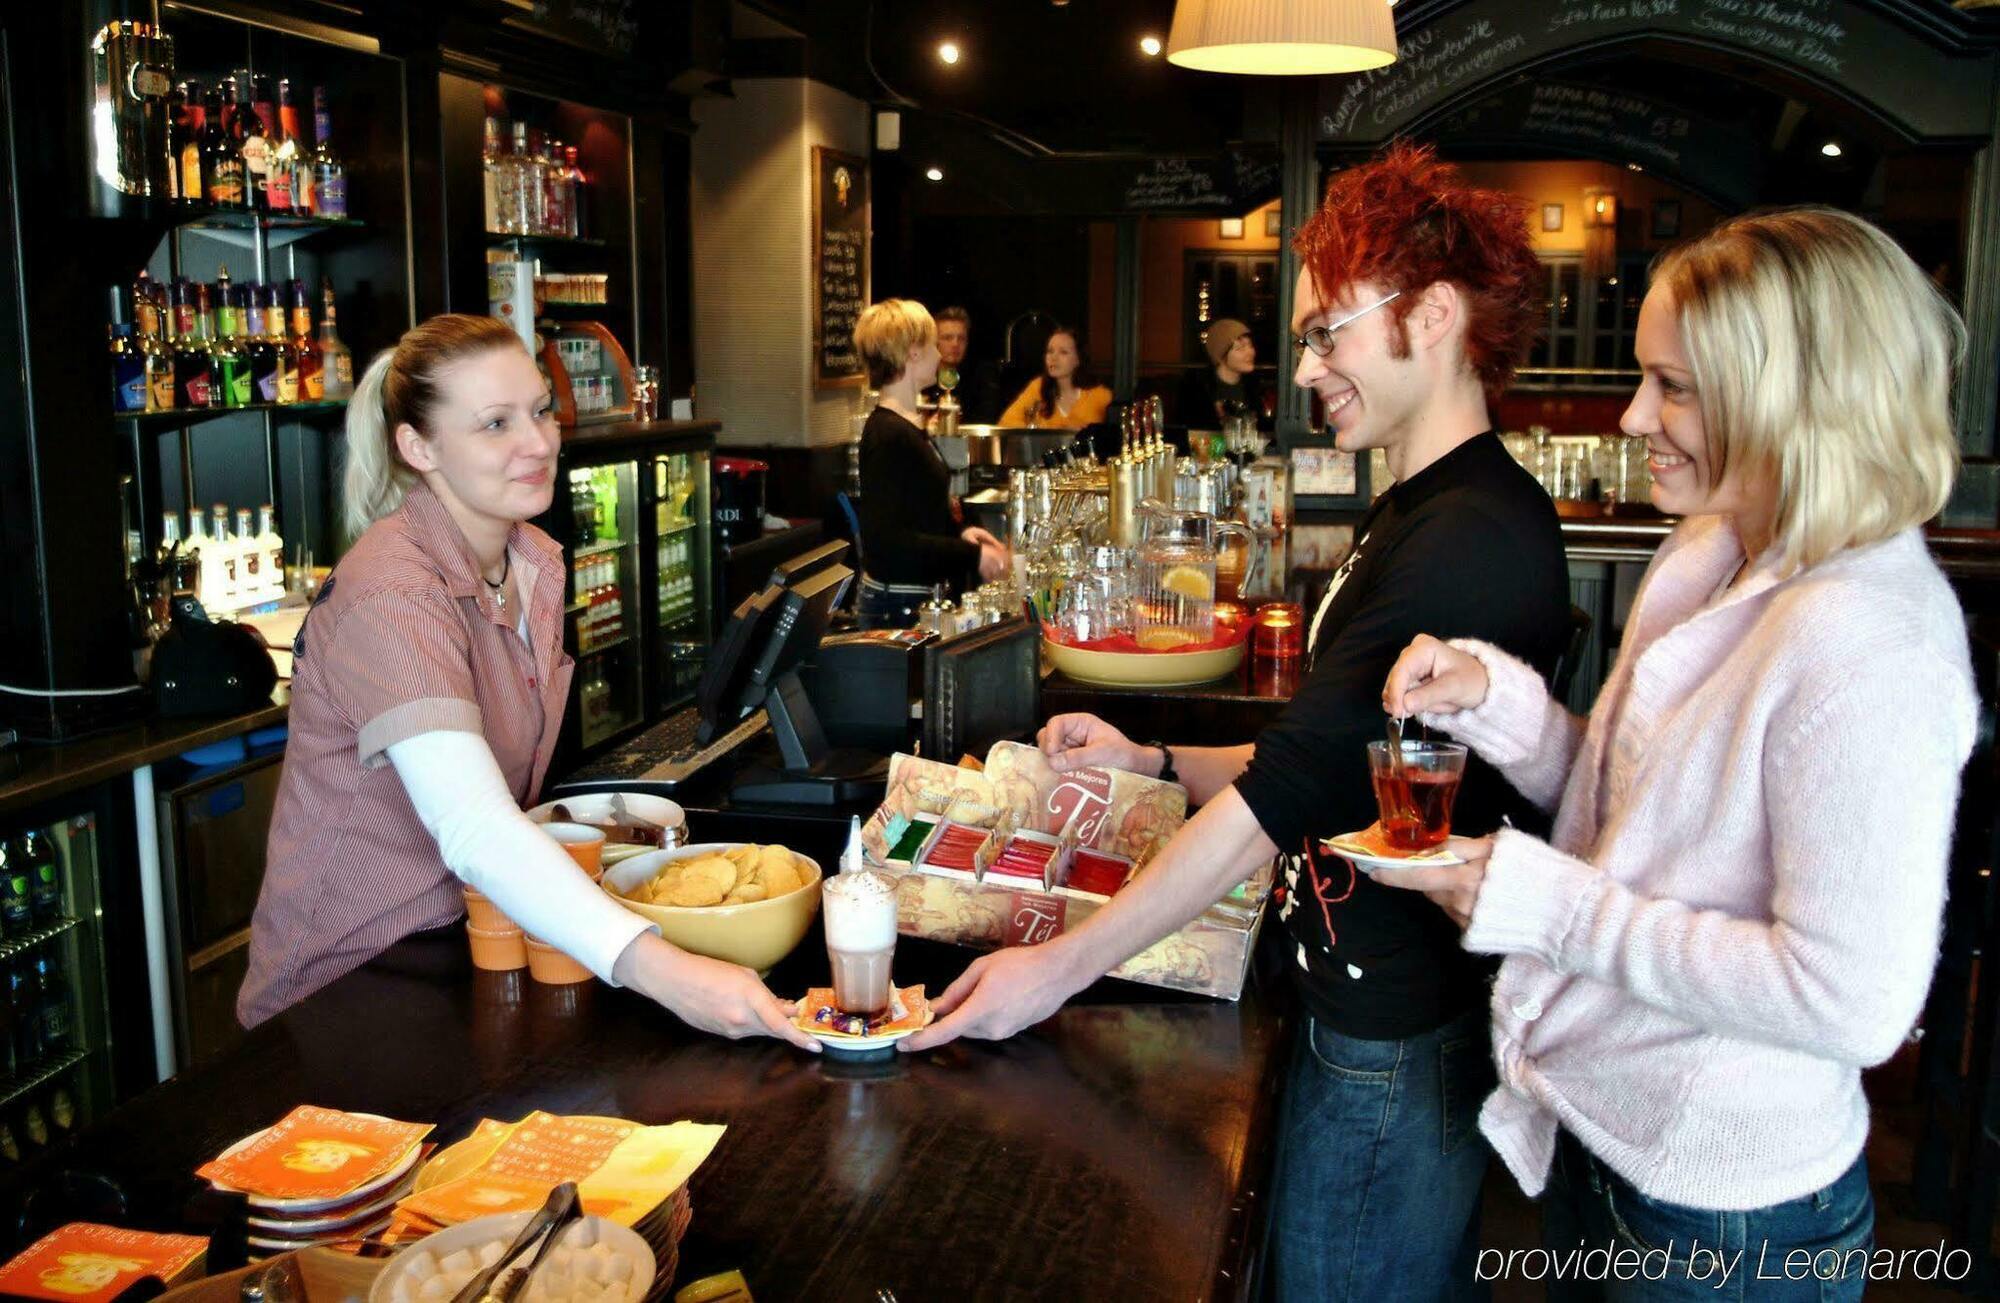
[1278,631]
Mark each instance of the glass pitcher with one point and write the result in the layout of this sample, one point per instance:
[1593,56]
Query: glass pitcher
[1174,577]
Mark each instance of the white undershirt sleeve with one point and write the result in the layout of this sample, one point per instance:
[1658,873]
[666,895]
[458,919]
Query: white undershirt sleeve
[485,839]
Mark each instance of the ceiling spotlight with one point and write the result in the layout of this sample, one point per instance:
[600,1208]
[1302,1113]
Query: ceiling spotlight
[1831,149]
[1150,46]
[948,51]
[1634,167]
[934,173]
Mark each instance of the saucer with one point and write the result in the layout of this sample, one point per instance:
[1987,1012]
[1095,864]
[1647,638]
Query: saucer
[859,1047]
[1368,849]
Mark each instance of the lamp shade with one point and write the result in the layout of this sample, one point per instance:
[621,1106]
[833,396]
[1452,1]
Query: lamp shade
[1282,37]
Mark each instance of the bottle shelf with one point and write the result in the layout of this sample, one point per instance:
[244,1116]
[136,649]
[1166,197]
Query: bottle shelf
[235,225]
[179,417]
[601,547]
[14,947]
[550,241]
[603,645]
[14,1088]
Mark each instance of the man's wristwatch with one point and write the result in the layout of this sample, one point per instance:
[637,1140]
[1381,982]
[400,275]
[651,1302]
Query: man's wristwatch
[1167,774]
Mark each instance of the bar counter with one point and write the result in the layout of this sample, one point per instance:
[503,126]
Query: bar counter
[1119,1150]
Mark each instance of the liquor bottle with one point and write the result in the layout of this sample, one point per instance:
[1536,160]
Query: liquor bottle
[555,190]
[260,350]
[145,308]
[310,389]
[270,554]
[17,914]
[281,339]
[225,548]
[128,360]
[57,1025]
[182,135]
[188,571]
[62,1109]
[221,162]
[281,182]
[45,877]
[577,225]
[335,362]
[192,373]
[172,558]
[251,586]
[517,204]
[231,369]
[489,169]
[329,182]
[253,136]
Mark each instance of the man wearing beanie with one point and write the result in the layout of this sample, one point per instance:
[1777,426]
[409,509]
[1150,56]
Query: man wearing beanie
[1226,388]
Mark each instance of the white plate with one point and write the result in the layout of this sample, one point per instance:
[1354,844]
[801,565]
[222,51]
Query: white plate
[596,806]
[503,1227]
[837,1043]
[375,1205]
[1435,858]
[285,1244]
[388,1178]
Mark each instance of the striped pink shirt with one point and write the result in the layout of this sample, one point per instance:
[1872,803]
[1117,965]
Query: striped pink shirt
[404,638]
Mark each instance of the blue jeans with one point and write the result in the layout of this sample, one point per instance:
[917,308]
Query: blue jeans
[879,606]
[1589,1204]
[1380,1160]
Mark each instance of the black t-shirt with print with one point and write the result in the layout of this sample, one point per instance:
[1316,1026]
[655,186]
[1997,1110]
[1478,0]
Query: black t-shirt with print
[1469,547]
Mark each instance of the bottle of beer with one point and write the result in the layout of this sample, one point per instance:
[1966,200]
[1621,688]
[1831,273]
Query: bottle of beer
[23,994]
[221,162]
[45,888]
[62,1108]
[52,1003]
[16,913]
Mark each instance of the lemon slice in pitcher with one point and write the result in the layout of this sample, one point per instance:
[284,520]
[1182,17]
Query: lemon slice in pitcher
[1187,581]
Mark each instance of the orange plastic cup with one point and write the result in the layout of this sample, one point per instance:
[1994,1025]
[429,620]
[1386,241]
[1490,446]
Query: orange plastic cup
[482,913]
[584,843]
[550,965]
[498,952]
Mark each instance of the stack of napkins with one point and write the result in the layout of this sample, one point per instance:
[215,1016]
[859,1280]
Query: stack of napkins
[623,1171]
[320,1176]
[87,1263]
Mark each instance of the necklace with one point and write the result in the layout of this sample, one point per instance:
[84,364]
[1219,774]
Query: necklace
[499,587]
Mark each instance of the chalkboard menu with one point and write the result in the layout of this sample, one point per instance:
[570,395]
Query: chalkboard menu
[840,265]
[608,25]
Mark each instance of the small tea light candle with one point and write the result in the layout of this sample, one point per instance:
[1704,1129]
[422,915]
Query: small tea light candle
[1278,631]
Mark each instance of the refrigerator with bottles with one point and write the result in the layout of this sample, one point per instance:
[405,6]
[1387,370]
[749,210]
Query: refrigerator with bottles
[632,514]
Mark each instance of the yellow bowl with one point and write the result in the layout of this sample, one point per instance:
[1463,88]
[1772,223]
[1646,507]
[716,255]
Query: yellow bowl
[1112,669]
[756,934]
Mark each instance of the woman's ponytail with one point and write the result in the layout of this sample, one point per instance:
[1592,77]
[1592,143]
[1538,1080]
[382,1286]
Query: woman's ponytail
[376,478]
[400,387]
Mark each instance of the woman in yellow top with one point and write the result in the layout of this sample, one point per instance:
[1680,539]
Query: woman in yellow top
[1064,397]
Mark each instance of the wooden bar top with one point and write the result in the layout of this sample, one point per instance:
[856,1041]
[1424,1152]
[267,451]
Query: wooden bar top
[1118,1150]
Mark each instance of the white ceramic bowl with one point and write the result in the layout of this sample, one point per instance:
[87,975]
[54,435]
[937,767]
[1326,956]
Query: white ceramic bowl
[502,1228]
[595,808]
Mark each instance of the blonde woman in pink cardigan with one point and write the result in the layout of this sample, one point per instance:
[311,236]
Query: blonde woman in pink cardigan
[1738,909]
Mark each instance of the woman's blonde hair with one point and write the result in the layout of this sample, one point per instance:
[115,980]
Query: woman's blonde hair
[1823,359]
[401,386]
[887,332]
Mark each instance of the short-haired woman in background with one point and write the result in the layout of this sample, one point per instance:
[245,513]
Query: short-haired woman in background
[1064,396]
[1739,907]
[913,532]
[428,687]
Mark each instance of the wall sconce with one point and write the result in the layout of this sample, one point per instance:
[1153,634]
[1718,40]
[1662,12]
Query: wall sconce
[1231,228]
[1600,208]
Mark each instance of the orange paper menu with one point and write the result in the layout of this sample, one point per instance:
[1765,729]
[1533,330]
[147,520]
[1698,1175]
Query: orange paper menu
[315,1153]
[542,1151]
[87,1263]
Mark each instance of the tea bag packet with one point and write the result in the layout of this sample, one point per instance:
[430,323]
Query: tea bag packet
[908,1010]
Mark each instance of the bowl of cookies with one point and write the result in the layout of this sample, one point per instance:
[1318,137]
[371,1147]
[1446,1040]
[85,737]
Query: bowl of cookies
[743,903]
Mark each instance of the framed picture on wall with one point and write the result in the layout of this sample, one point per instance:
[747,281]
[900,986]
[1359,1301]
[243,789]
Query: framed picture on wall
[1231,228]
[1552,217]
[1666,219]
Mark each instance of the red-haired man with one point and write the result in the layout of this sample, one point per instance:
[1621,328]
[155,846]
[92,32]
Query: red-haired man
[1416,303]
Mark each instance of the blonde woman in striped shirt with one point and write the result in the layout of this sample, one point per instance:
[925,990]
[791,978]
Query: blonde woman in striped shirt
[428,689]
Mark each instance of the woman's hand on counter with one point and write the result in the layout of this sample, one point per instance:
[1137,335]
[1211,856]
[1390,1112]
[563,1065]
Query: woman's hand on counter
[1432,676]
[726,999]
[1079,741]
[1000,994]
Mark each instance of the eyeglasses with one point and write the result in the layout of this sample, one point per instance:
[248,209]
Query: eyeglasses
[1320,339]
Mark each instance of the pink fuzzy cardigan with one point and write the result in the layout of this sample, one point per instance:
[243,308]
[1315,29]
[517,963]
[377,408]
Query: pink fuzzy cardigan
[1739,907]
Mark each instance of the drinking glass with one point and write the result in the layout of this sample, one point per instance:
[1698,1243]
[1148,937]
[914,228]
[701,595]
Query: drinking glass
[1414,798]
